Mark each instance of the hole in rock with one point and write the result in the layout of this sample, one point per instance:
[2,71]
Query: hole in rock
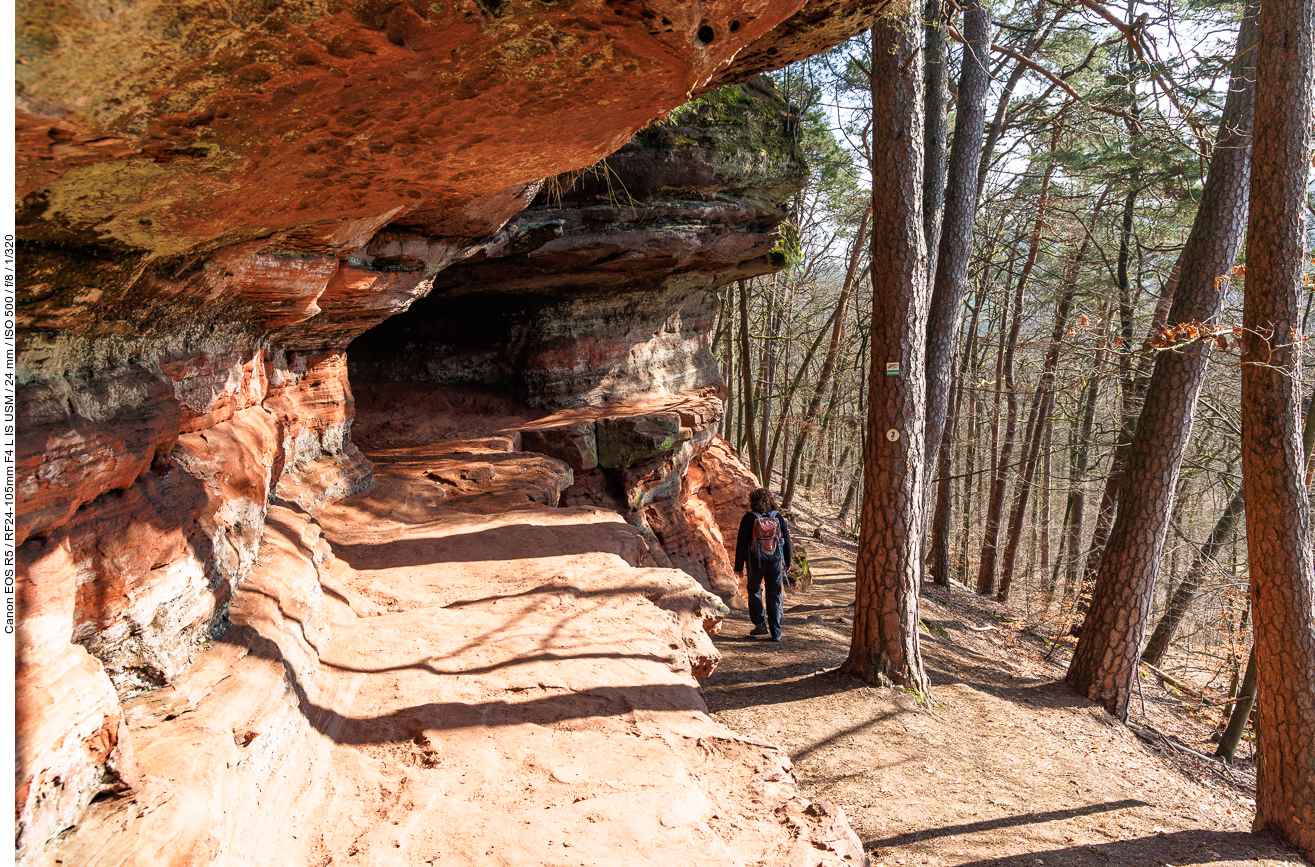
[706,34]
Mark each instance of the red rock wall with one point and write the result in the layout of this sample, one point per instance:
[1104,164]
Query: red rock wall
[658,461]
[71,742]
[143,500]
[214,201]
[719,487]
[608,285]
[726,482]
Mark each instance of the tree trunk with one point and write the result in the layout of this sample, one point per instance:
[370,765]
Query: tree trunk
[1237,720]
[1077,497]
[999,121]
[793,388]
[1028,459]
[1040,413]
[956,242]
[1130,392]
[1043,555]
[1185,592]
[767,385]
[940,532]
[936,104]
[1133,383]
[885,642]
[1105,660]
[1130,396]
[824,451]
[1273,467]
[726,329]
[746,388]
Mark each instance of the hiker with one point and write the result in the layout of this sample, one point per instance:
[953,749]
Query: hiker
[764,544]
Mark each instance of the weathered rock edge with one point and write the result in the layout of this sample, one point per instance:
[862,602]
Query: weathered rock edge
[230,762]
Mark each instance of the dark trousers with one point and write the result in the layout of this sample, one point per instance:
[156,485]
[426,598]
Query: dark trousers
[768,579]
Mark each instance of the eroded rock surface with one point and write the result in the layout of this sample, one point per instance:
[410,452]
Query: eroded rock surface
[608,284]
[132,553]
[215,201]
[452,687]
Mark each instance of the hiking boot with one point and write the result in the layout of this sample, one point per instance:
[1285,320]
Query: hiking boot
[776,638]
[759,630]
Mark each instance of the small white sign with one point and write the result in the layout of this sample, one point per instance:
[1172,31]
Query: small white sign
[892,435]
[892,368]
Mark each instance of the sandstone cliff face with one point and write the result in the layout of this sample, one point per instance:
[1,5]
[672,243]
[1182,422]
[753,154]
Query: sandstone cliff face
[195,176]
[606,288]
[215,202]
[607,285]
[137,528]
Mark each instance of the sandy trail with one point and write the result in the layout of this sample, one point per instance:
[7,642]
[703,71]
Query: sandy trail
[1010,767]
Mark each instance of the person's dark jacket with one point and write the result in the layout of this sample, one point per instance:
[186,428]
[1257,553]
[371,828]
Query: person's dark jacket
[745,539]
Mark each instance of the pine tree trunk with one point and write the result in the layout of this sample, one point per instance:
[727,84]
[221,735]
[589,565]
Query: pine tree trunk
[1039,415]
[940,532]
[1105,660]
[726,329]
[936,104]
[1077,497]
[956,241]
[885,643]
[1279,532]
[1031,453]
[1242,707]
[1001,118]
[1133,382]
[767,387]
[746,388]
[1043,555]
[1130,397]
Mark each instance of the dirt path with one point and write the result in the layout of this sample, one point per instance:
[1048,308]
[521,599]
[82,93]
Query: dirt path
[1009,768]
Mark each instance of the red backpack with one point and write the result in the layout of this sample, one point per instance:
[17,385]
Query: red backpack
[767,541]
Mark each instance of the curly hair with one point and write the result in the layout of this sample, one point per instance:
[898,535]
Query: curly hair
[762,501]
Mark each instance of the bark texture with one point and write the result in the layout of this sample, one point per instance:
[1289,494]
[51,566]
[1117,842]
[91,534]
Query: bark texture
[936,104]
[1105,661]
[956,240]
[1273,469]
[885,638]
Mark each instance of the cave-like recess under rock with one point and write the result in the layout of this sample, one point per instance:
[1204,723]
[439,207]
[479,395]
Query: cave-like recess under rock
[248,636]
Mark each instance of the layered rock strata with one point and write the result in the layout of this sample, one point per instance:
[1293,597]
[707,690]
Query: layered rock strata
[608,284]
[214,202]
[159,130]
[458,681]
[143,503]
[651,460]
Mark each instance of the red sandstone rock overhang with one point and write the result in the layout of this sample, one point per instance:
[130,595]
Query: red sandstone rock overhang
[174,129]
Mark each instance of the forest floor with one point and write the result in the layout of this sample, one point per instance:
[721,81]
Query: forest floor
[1008,767]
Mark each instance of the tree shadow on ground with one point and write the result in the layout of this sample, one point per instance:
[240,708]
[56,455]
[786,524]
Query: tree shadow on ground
[1179,848]
[405,723]
[1004,822]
